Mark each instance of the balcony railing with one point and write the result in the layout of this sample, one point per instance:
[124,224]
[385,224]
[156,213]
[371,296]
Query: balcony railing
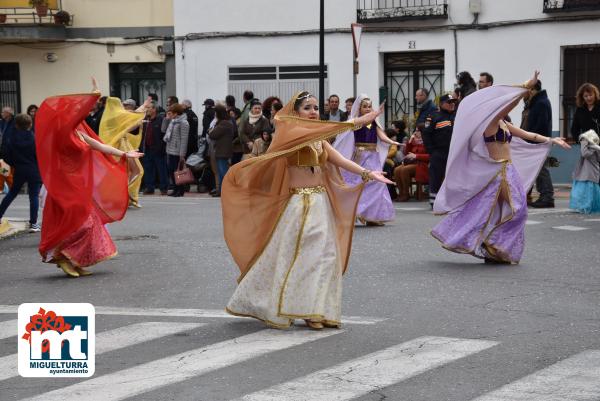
[559,6]
[398,10]
[19,12]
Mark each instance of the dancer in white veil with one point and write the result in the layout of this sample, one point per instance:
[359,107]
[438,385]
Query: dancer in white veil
[367,146]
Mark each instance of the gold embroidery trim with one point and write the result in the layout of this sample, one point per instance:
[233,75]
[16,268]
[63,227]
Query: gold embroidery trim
[306,209]
[308,190]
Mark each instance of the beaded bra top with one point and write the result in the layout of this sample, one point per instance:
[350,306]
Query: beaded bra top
[309,156]
[502,136]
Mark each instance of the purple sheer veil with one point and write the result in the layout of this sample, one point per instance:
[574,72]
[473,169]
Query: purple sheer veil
[344,143]
[469,167]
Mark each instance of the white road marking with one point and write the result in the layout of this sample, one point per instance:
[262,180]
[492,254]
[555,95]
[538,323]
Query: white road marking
[8,329]
[111,340]
[532,222]
[370,373]
[533,212]
[194,313]
[570,228]
[574,379]
[177,368]
[591,220]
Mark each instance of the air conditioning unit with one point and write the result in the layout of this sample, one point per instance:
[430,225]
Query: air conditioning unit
[166,49]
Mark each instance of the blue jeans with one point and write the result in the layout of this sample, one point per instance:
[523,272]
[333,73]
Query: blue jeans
[34,185]
[222,167]
[152,163]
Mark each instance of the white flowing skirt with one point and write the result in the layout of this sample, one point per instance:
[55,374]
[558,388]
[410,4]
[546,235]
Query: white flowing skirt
[299,273]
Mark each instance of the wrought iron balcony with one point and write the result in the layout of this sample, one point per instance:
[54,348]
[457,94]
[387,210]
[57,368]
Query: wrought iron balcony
[559,6]
[20,12]
[398,10]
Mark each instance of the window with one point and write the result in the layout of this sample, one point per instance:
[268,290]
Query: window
[10,87]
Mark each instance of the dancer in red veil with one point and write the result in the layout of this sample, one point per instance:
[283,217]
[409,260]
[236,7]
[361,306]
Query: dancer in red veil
[86,182]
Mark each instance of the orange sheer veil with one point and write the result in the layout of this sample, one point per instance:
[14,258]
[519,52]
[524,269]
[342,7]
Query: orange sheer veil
[255,192]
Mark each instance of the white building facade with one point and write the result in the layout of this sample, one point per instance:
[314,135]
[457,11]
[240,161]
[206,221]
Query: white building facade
[273,49]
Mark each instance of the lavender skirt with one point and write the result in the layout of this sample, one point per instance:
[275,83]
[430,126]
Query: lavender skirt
[488,225]
[375,204]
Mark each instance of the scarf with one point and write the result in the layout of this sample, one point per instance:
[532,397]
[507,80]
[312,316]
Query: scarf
[253,118]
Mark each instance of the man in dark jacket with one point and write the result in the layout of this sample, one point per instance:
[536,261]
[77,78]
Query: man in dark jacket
[436,138]
[424,105]
[153,147]
[7,126]
[208,115]
[334,114]
[539,121]
[193,121]
[20,154]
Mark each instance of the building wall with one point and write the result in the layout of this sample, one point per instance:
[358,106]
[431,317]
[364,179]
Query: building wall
[119,13]
[72,71]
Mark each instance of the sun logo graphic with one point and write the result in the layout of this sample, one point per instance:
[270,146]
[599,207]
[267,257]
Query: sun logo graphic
[56,340]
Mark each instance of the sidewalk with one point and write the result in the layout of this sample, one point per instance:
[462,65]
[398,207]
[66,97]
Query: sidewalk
[10,227]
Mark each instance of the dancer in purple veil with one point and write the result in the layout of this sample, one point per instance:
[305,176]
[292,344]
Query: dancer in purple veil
[367,146]
[490,167]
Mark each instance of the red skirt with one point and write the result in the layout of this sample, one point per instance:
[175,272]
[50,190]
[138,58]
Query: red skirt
[88,245]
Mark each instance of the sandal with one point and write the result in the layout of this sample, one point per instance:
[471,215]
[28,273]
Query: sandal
[68,268]
[314,325]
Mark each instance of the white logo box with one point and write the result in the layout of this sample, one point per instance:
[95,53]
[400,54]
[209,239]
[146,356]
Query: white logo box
[77,362]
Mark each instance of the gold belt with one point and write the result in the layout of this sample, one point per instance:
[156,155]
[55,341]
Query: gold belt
[308,190]
[365,146]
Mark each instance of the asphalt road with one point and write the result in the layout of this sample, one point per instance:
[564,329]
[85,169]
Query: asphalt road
[423,323]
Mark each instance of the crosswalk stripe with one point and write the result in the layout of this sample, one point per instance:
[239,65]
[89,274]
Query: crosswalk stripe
[8,329]
[372,372]
[193,313]
[532,222]
[177,368]
[570,228]
[111,340]
[574,379]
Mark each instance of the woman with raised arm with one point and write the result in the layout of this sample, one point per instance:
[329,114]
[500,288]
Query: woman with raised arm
[86,182]
[288,218]
[490,167]
[367,145]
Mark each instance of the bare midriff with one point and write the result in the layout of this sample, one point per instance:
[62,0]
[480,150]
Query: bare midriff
[498,150]
[303,177]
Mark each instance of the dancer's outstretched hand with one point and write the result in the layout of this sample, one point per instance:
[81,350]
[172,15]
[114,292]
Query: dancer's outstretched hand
[133,154]
[561,142]
[379,176]
[531,83]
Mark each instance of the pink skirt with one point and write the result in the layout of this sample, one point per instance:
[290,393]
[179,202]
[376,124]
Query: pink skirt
[88,245]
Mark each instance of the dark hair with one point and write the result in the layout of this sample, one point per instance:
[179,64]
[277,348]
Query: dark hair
[425,91]
[269,102]
[255,102]
[236,112]
[230,100]
[174,99]
[154,96]
[537,86]
[334,95]
[277,106]
[420,127]
[23,122]
[465,78]
[350,99]
[586,88]
[177,108]
[31,107]
[400,125]
[248,95]
[390,132]
[102,100]
[488,76]
[221,112]
[302,96]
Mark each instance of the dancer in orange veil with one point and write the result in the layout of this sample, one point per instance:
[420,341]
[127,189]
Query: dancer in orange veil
[86,182]
[288,218]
